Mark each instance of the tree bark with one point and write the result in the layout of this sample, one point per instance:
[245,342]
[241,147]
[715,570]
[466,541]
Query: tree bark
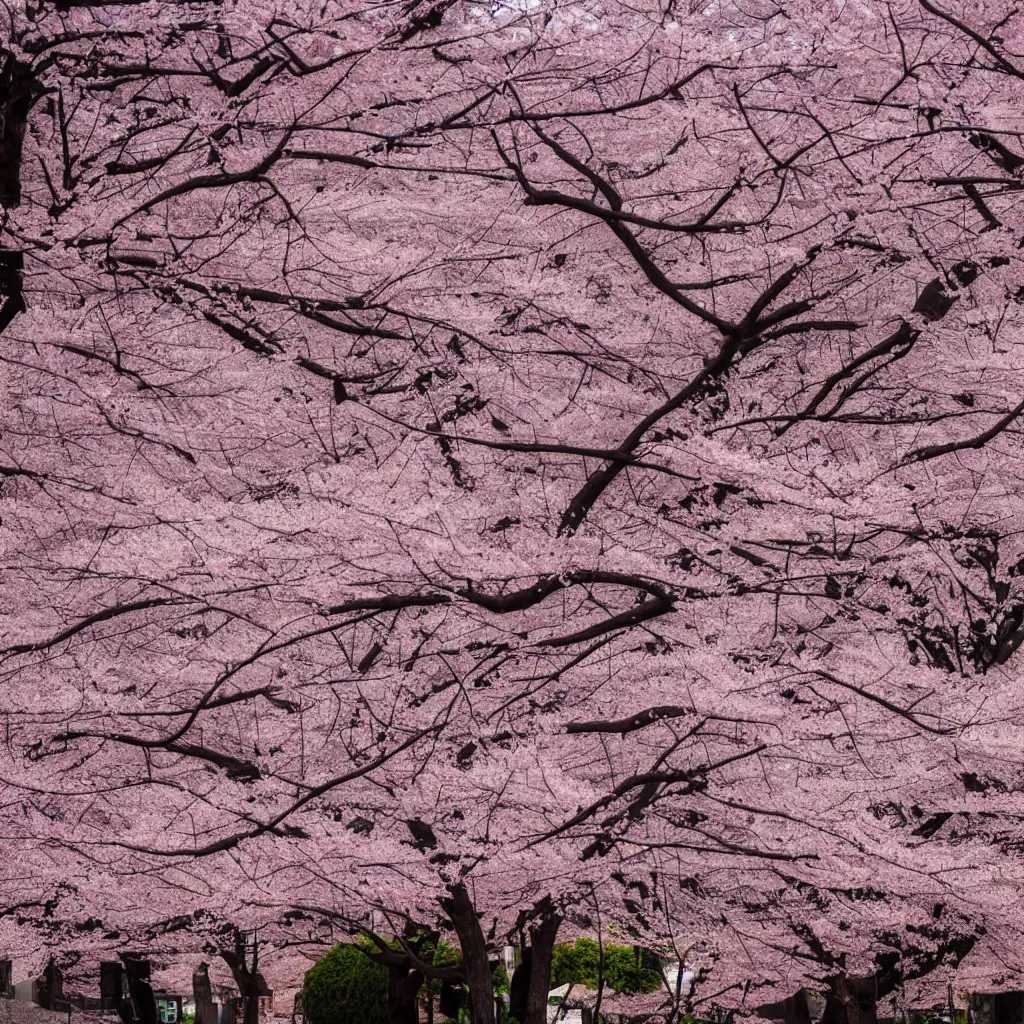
[459,908]
[1008,1008]
[202,993]
[851,1001]
[11,286]
[450,1000]
[519,987]
[248,979]
[20,90]
[795,1009]
[542,943]
[251,1007]
[52,988]
[403,992]
[140,1007]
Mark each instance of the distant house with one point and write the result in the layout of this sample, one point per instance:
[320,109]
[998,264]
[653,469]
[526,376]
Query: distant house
[47,990]
[571,1004]
[26,989]
[169,1007]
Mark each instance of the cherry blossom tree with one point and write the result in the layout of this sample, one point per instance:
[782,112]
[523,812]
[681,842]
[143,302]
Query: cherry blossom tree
[459,454]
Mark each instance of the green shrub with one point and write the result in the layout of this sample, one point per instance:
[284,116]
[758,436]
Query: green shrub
[499,980]
[345,987]
[441,955]
[626,968]
[445,955]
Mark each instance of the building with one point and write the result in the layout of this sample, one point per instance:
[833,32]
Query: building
[570,1004]
[169,1007]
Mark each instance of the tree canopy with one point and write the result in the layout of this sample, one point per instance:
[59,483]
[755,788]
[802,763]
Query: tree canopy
[519,466]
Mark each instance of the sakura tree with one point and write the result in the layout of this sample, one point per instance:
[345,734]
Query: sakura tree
[478,451]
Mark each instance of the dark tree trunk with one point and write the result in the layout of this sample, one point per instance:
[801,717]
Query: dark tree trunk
[451,1000]
[51,991]
[542,943]
[795,1009]
[18,91]
[1008,1008]
[851,1001]
[459,908]
[979,1008]
[519,988]
[202,993]
[403,991]
[13,302]
[247,977]
[249,995]
[111,984]
[140,1006]
[251,1006]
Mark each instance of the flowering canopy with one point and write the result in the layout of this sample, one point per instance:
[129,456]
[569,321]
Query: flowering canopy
[525,446]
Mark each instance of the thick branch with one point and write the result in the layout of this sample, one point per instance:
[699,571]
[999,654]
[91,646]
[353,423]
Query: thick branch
[640,720]
[982,439]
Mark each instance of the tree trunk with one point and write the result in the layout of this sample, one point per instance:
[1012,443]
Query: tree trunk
[979,1008]
[11,286]
[519,987]
[542,943]
[248,979]
[141,1003]
[1008,1008]
[795,1009]
[459,908]
[19,89]
[851,1001]
[403,991]
[111,984]
[202,993]
[51,991]
[250,1004]
[450,1001]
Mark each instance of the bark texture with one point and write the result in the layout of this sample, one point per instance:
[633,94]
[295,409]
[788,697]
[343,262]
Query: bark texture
[461,912]
[202,993]
[542,942]
[851,1001]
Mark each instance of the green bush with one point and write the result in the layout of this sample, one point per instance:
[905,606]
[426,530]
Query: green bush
[499,979]
[346,987]
[626,968]
[441,955]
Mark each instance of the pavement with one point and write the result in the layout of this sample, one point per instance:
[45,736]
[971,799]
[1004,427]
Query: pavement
[21,1011]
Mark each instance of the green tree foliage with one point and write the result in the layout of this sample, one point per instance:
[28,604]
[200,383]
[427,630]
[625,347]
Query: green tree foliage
[499,978]
[446,955]
[626,968]
[345,987]
[442,955]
